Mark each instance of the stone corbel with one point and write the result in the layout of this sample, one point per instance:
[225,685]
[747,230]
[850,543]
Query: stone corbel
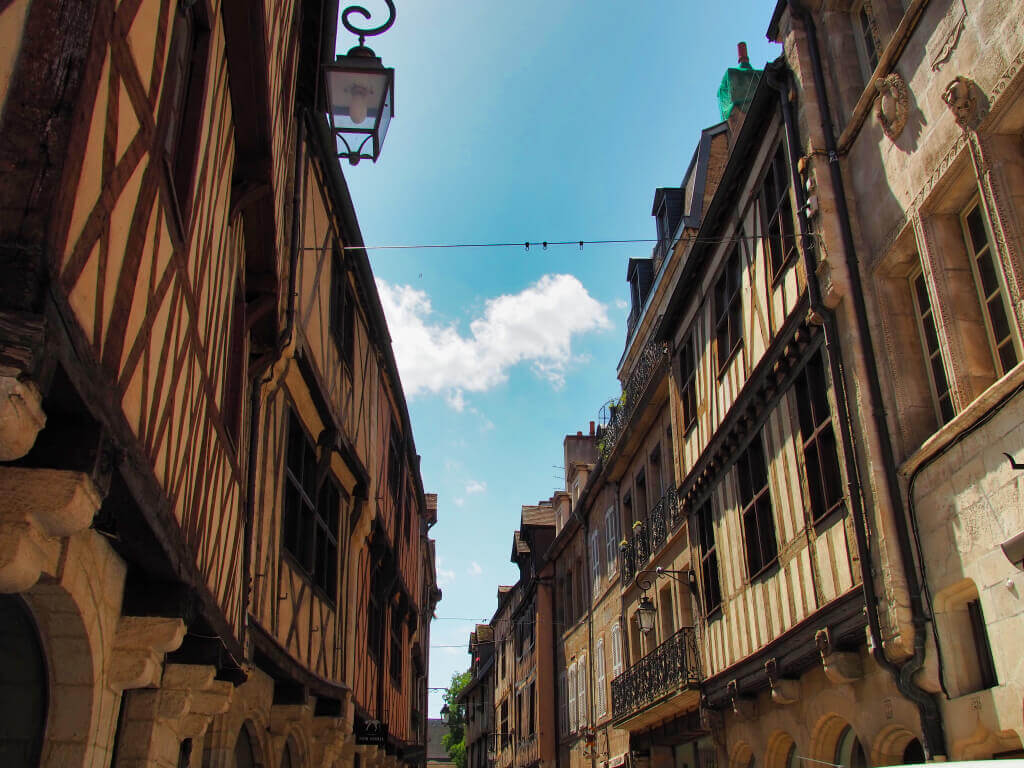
[743,707]
[840,667]
[283,718]
[783,691]
[40,506]
[139,648]
[332,739]
[21,417]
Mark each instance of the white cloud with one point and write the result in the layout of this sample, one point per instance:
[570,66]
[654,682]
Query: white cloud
[459,501]
[445,576]
[474,569]
[475,486]
[621,303]
[535,326]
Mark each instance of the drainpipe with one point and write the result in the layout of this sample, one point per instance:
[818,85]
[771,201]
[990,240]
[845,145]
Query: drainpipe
[591,716]
[260,376]
[928,708]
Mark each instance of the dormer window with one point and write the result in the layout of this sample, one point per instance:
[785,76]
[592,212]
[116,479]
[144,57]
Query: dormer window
[640,274]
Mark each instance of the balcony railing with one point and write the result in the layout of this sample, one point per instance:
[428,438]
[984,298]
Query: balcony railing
[670,667]
[651,360]
[649,537]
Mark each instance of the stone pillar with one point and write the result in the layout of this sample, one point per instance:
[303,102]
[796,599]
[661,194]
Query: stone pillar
[157,721]
[38,508]
[332,741]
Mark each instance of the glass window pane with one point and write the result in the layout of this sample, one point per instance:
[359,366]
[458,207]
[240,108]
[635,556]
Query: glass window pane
[987,271]
[921,290]
[1007,356]
[976,227]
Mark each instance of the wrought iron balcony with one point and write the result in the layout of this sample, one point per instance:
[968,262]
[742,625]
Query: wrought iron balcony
[663,519]
[628,560]
[654,356]
[671,667]
[641,544]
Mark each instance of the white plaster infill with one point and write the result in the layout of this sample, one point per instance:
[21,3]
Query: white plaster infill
[38,507]
[965,420]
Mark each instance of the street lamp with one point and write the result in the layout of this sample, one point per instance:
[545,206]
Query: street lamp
[645,610]
[360,93]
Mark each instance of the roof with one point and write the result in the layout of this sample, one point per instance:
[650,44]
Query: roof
[538,514]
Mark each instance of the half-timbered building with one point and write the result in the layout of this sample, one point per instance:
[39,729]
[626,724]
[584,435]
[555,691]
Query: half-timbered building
[214,542]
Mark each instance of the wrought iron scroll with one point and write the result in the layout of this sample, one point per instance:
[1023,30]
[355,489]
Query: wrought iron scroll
[651,362]
[364,33]
[671,666]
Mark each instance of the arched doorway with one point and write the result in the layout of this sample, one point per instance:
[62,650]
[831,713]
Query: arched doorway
[849,752]
[245,750]
[24,686]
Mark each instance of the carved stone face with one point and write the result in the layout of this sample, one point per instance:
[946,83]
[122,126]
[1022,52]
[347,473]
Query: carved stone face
[892,105]
[959,97]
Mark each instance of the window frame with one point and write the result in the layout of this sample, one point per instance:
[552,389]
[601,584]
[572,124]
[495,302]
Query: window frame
[709,571]
[595,561]
[756,504]
[868,45]
[975,204]
[343,314]
[611,536]
[778,212]
[583,717]
[929,355]
[818,434]
[688,382]
[601,697]
[728,309]
[617,658]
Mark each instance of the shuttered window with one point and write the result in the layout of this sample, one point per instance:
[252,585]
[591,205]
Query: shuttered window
[563,704]
[616,649]
[595,560]
[600,695]
[581,692]
[611,540]
[572,697]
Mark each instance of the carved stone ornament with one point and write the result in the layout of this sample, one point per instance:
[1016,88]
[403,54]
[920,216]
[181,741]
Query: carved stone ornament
[892,105]
[961,96]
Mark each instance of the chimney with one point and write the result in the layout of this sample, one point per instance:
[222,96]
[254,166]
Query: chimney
[579,434]
[591,429]
[741,54]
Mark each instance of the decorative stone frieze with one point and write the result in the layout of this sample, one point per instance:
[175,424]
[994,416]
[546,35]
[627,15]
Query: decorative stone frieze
[892,107]
[40,506]
[139,648]
[840,667]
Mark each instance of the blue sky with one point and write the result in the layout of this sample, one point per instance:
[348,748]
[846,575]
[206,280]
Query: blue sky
[531,120]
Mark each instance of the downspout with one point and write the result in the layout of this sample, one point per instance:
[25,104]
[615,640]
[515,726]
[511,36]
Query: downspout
[257,375]
[928,708]
[591,717]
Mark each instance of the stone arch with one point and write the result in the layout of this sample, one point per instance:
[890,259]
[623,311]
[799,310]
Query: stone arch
[984,743]
[891,744]
[778,749]
[291,754]
[24,686]
[250,709]
[247,751]
[742,756]
[826,735]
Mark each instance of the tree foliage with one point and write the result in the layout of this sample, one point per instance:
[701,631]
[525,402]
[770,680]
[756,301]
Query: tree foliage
[454,742]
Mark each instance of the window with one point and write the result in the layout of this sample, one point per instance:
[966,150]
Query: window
[849,752]
[728,309]
[821,459]
[688,383]
[563,703]
[375,617]
[343,313]
[778,212]
[395,667]
[395,466]
[503,725]
[595,560]
[611,541]
[581,692]
[756,506]
[600,696]
[310,526]
[708,558]
[532,724]
[616,649]
[986,277]
[867,43]
[640,491]
[986,665]
[930,346]
[235,369]
[572,697]
[184,97]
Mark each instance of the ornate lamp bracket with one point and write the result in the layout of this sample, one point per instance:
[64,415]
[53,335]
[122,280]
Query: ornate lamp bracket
[364,33]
